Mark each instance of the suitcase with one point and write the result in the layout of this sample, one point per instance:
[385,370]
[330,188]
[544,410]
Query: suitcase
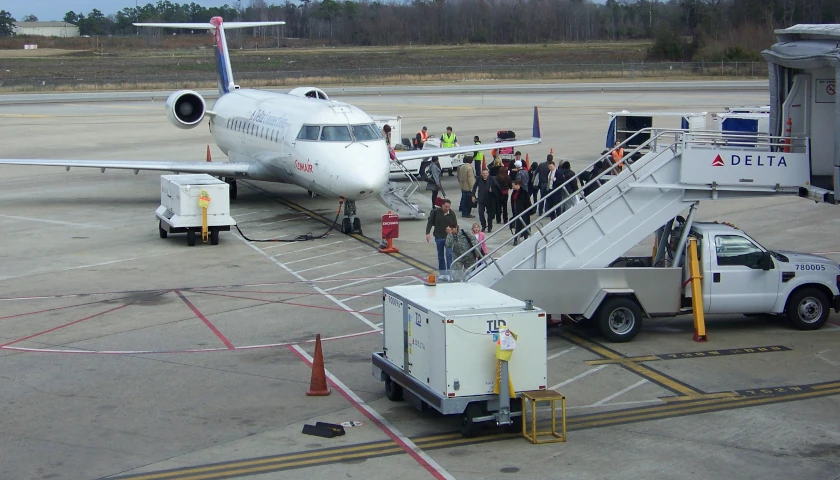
[503,135]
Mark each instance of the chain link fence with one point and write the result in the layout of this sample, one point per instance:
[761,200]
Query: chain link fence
[389,76]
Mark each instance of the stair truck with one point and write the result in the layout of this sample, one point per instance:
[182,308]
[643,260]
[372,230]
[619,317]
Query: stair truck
[581,250]
[440,352]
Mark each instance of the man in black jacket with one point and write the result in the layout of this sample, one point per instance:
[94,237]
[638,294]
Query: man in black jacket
[486,191]
[542,172]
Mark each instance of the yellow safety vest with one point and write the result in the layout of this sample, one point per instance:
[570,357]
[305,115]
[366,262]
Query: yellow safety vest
[447,140]
[479,155]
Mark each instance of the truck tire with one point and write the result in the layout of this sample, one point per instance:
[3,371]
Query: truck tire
[469,428]
[393,390]
[191,238]
[214,236]
[162,231]
[807,309]
[619,319]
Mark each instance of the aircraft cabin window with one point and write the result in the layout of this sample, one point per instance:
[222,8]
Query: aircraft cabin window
[364,133]
[735,250]
[309,132]
[335,134]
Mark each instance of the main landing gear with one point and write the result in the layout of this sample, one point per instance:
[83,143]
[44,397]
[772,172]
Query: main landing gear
[350,223]
[232,183]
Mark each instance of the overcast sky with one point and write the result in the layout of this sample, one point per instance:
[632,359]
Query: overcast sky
[47,10]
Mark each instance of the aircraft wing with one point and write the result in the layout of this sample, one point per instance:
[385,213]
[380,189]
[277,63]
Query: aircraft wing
[414,154]
[221,169]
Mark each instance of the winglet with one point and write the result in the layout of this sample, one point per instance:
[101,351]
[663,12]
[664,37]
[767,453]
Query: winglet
[536,133]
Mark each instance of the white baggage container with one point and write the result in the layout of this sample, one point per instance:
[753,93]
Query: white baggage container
[180,211]
[440,351]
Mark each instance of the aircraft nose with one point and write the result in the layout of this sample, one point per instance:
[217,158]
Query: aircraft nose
[365,179]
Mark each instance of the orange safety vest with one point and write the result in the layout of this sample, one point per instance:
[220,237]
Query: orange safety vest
[617,156]
[423,135]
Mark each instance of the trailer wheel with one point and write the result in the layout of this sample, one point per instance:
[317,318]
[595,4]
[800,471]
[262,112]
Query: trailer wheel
[393,390]
[807,309]
[619,319]
[191,238]
[162,231]
[214,236]
[469,428]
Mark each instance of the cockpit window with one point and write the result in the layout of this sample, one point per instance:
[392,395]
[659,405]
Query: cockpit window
[364,133]
[309,132]
[335,134]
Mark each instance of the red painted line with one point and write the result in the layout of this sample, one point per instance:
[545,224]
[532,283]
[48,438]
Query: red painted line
[366,411]
[289,303]
[50,310]
[62,326]
[205,320]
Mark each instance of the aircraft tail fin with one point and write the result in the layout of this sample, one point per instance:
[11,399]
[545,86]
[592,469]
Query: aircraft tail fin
[225,74]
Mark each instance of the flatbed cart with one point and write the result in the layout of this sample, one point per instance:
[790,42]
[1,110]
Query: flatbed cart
[440,352]
[198,205]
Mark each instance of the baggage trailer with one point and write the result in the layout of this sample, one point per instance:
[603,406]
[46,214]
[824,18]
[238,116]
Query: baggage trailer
[439,351]
[180,210]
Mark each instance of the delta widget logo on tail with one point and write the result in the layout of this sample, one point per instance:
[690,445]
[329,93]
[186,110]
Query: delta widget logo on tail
[718,162]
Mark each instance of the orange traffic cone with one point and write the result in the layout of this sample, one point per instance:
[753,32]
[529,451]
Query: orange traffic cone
[788,125]
[318,381]
[208,154]
[527,162]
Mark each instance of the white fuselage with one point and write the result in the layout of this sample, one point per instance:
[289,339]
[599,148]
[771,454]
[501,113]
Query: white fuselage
[340,153]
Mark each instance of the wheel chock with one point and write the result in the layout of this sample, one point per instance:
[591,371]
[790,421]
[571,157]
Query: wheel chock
[339,429]
[317,431]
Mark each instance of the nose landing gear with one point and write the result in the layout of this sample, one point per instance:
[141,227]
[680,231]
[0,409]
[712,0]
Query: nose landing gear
[350,223]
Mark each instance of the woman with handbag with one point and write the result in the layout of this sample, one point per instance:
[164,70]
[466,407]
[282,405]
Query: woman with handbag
[461,242]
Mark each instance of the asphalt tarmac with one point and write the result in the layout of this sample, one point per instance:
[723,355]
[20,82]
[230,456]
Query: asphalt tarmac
[126,355]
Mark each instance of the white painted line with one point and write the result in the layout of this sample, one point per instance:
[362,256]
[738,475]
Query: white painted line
[620,392]
[369,279]
[378,324]
[351,271]
[314,287]
[245,214]
[326,255]
[562,352]
[413,450]
[337,263]
[55,222]
[281,221]
[49,272]
[379,290]
[305,249]
[578,377]
[619,404]
[371,308]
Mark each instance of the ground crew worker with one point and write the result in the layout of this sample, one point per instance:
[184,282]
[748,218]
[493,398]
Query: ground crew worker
[478,157]
[448,139]
[420,138]
[617,156]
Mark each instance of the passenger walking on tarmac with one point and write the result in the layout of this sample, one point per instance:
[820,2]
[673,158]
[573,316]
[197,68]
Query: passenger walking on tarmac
[466,179]
[535,182]
[433,183]
[421,138]
[543,172]
[553,195]
[439,219]
[504,186]
[480,236]
[485,191]
[523,175]
[520,202]
[495,166]
[478,157]
[461,242]
[617,156]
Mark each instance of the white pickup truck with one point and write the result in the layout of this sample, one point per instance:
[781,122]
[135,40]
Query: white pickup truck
[739,277]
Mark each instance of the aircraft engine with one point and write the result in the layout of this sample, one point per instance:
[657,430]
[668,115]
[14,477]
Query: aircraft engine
[185,108]
[310,92]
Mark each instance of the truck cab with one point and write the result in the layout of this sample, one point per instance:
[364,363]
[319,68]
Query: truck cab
[741,276]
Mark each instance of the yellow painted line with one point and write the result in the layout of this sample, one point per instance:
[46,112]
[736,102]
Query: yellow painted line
[827,385]
[649,358]
[703,396]
[643,371]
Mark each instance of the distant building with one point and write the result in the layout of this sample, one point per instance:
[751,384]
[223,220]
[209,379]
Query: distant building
[46,29]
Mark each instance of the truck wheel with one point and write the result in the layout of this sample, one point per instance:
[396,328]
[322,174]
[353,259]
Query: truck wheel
[233,190]
[619,319]
[807,309]
[162,231]
[469,428]
[214,236]
[191,238]
[393,390]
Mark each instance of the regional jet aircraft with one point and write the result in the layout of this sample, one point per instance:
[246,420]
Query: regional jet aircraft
[329,148]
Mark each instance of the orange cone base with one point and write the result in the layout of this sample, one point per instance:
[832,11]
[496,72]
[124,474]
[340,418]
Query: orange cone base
[390,248]
[700,338]
[318,393]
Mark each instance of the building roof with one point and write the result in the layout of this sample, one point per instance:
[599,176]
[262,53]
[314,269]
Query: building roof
[42,24]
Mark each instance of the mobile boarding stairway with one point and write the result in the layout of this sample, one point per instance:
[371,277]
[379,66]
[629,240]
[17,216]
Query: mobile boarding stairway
[680,169]
[397,197]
